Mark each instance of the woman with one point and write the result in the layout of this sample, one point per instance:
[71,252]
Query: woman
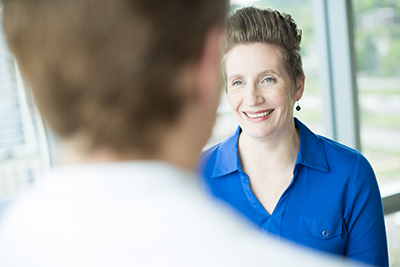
[273,169]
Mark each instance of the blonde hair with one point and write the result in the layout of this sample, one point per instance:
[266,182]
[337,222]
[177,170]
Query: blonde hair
[251,24]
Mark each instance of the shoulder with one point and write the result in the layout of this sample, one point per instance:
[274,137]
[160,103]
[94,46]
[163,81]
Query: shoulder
[207,161]
[340,154]
[209,155]
[349,164]
[331,157]
[210,152]
[327,155]
[223,153]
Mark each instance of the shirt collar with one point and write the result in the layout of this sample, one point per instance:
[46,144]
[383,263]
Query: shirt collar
[311,152]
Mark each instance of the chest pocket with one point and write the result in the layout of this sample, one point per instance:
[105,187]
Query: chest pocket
[326,234]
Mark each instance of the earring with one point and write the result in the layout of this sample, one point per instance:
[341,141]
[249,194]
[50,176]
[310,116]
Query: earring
[298,108]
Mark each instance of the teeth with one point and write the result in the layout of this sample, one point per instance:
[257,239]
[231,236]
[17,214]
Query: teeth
[259,114]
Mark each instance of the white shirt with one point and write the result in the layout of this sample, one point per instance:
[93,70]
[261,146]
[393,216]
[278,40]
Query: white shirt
[142,213]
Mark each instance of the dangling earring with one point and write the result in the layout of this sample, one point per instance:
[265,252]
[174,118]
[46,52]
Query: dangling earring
[298,108]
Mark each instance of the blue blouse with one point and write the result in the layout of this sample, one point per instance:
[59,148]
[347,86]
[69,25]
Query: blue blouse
[332,203]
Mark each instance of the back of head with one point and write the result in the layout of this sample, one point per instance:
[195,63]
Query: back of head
[108,71]
[251,24]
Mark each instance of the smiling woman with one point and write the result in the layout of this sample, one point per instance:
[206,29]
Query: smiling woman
[275,171]
[262,91]
[262,103]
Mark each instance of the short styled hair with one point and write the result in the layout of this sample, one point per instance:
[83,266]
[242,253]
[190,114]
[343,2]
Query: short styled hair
[108,71]
[251,24]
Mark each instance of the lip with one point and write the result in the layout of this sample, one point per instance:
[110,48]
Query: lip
[258,119]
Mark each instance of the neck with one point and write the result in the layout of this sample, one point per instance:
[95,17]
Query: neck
[70,154]
[177,146]
[277,151]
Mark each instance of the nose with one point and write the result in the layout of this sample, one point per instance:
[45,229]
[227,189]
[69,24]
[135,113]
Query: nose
[254,96]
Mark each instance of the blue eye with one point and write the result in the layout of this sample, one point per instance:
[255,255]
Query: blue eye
[237,83]
[269,80]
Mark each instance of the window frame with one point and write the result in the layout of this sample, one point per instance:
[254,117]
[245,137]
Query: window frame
[335,41]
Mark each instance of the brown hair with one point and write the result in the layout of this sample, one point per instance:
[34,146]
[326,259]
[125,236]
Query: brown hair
[255,25]
[109,70]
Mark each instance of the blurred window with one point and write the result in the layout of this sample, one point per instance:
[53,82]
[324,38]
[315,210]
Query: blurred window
[22,156]
[377,45]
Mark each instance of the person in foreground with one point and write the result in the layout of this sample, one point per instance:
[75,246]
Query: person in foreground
[287,180]
[131,87]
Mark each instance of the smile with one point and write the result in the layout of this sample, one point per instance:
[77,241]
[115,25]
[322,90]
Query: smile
[259,115]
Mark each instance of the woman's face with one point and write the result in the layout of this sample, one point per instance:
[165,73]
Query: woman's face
[260,92]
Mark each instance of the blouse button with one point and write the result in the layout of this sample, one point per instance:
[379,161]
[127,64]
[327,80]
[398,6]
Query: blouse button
[325,233]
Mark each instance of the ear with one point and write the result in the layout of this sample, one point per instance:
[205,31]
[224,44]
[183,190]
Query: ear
[208,76]
[300,82]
